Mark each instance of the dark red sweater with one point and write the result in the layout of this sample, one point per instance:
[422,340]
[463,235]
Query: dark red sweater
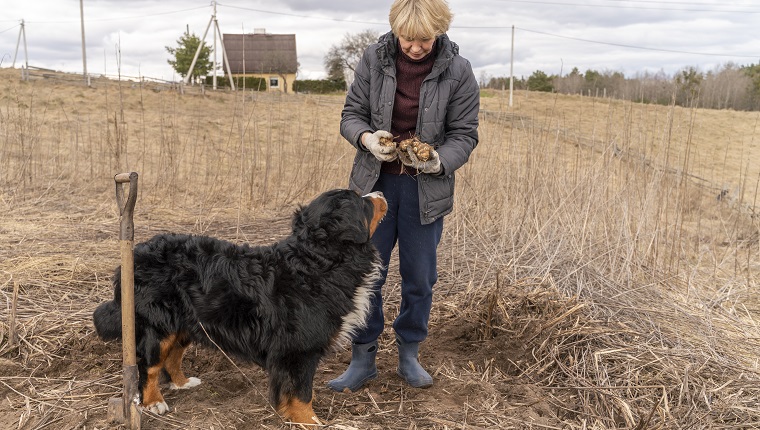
[406,104]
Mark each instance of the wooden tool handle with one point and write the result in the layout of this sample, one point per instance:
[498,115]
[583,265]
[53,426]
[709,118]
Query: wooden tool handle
[126,208]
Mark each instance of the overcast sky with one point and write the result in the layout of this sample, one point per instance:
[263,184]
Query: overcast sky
[550,35]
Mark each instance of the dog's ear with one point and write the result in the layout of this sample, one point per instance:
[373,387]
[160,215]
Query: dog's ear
[350,220]
[353,230]
[306,224]
[339,221]
[297,224]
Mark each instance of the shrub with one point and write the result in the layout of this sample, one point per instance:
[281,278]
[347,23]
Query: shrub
[250,82]
[319,86]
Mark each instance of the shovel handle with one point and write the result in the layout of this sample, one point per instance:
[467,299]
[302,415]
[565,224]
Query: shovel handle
[126,208]
[131,414]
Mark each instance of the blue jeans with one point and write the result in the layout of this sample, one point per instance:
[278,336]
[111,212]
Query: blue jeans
[417,245]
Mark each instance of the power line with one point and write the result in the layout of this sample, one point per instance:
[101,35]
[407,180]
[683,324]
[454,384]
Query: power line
[598,42]
[9,29]
[638,47]
[538,2]
[121,18]
[551,3]
[507,27]
[303,16]
[690,3]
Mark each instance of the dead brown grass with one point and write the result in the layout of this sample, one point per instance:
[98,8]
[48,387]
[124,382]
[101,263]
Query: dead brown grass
[589,276]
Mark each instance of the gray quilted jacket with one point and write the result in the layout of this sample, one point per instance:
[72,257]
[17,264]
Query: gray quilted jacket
[448,118]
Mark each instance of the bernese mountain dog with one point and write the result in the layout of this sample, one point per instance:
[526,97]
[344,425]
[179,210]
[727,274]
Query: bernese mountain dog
[281,306]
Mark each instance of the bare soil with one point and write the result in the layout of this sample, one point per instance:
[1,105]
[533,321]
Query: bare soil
[67,385]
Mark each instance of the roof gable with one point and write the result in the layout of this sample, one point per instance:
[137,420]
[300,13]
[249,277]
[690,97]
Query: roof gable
[261,53]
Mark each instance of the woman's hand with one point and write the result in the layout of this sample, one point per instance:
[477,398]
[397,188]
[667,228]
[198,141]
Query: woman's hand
[432,166]
[371,141]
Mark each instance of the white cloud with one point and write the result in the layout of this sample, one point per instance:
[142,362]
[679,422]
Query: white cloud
[547,35]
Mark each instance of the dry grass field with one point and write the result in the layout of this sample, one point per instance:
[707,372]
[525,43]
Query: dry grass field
[600,269]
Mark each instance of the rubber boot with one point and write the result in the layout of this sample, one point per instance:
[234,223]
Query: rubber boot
[409,366]
[361,369]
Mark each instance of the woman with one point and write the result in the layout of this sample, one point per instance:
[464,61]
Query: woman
[412,82]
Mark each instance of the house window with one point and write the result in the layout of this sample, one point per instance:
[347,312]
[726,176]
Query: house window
[274,82]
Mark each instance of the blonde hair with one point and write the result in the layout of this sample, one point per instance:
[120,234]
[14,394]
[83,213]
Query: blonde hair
[420,18]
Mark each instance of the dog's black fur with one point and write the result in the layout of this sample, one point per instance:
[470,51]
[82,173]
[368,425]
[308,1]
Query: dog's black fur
[281,306]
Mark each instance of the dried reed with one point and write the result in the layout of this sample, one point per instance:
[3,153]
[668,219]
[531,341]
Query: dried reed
[593,274]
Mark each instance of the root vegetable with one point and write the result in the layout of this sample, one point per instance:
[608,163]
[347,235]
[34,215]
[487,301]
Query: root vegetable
[420,149]
[387,141]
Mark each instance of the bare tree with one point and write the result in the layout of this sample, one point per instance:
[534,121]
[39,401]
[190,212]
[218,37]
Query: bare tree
[571,83]
[278,63]
[344,57]
[727,87]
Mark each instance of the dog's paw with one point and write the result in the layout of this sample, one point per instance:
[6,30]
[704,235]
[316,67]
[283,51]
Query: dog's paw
[191,382]
[158,408]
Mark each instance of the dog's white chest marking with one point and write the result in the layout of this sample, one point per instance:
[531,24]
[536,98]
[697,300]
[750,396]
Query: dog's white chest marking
[357,319]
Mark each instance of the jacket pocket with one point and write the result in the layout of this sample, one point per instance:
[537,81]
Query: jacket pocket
[363,175]
[438,192]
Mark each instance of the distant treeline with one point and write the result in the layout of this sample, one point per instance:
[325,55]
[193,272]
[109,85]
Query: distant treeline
[729,86]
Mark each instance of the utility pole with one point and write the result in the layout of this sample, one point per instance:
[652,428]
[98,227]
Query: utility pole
[213,85]
[224,51]
[84,50]
[511,68]
[21,35]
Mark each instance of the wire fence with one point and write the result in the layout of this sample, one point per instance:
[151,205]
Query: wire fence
[32,73]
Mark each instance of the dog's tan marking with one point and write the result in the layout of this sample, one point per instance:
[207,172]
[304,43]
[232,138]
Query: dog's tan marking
[151,394]
[381,207]
[173,364]
[297,411]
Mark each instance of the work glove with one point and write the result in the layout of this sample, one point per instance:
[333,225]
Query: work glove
[432,166]
[371,141]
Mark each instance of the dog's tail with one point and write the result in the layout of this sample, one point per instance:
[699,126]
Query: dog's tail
[107,316]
